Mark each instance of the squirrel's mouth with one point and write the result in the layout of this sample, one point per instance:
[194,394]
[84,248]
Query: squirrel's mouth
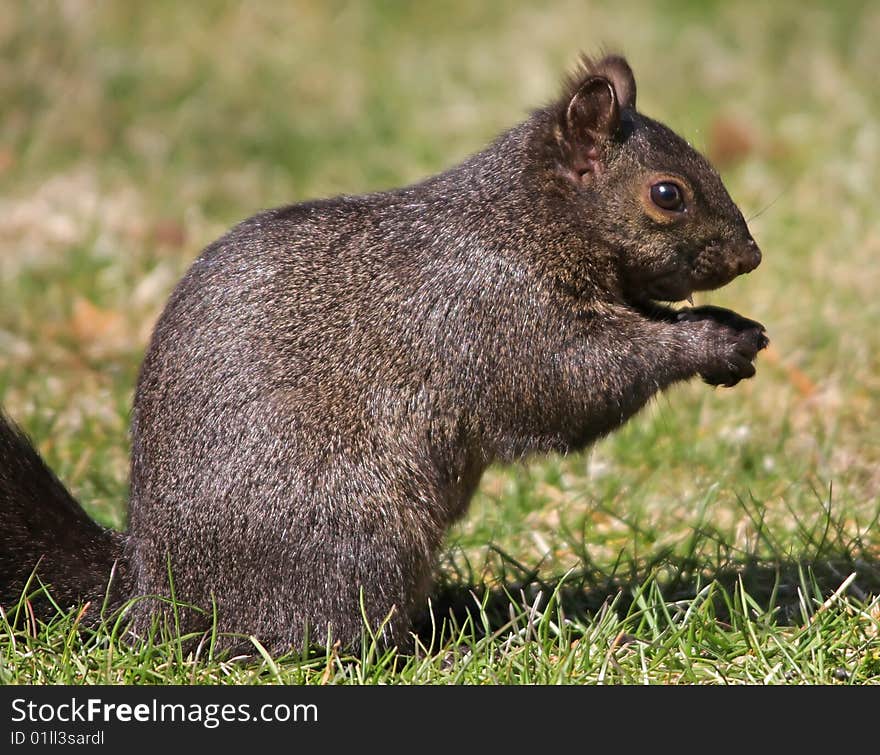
[655,298]
[657,307]
[675,286]
[710,267]
[668,288]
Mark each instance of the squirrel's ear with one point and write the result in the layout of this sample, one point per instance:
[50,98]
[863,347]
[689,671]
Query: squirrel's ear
[593,111]
[590,113]
[617,71]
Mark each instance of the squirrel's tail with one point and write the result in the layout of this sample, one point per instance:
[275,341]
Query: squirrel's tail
[46,537]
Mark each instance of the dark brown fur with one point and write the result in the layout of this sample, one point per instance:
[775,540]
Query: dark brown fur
[329,380]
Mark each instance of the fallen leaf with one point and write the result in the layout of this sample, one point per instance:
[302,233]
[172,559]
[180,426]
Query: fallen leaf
[731,140]
[169,233]
[100,331]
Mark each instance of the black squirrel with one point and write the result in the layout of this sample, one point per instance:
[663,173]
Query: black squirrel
[330,379]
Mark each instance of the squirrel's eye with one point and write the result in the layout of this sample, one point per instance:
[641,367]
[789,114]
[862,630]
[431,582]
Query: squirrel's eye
[668,196]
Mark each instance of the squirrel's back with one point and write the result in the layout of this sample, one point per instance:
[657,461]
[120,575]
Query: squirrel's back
[303,405]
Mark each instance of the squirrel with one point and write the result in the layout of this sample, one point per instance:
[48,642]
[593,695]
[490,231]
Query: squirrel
[329,380]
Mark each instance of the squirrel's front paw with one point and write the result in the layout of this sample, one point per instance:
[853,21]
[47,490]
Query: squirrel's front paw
[731,343]
[732,356]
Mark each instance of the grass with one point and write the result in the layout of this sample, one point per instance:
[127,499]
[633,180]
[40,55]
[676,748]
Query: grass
[723,536]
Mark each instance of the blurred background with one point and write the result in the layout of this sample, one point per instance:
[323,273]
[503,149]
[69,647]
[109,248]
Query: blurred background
[133,134]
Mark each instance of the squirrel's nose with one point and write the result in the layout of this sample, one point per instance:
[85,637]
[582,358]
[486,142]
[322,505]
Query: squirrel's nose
[751,257]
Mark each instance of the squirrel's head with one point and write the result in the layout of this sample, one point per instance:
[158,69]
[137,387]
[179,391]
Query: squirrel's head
[672,226]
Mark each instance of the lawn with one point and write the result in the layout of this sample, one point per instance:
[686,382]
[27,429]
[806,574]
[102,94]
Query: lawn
[722,536]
